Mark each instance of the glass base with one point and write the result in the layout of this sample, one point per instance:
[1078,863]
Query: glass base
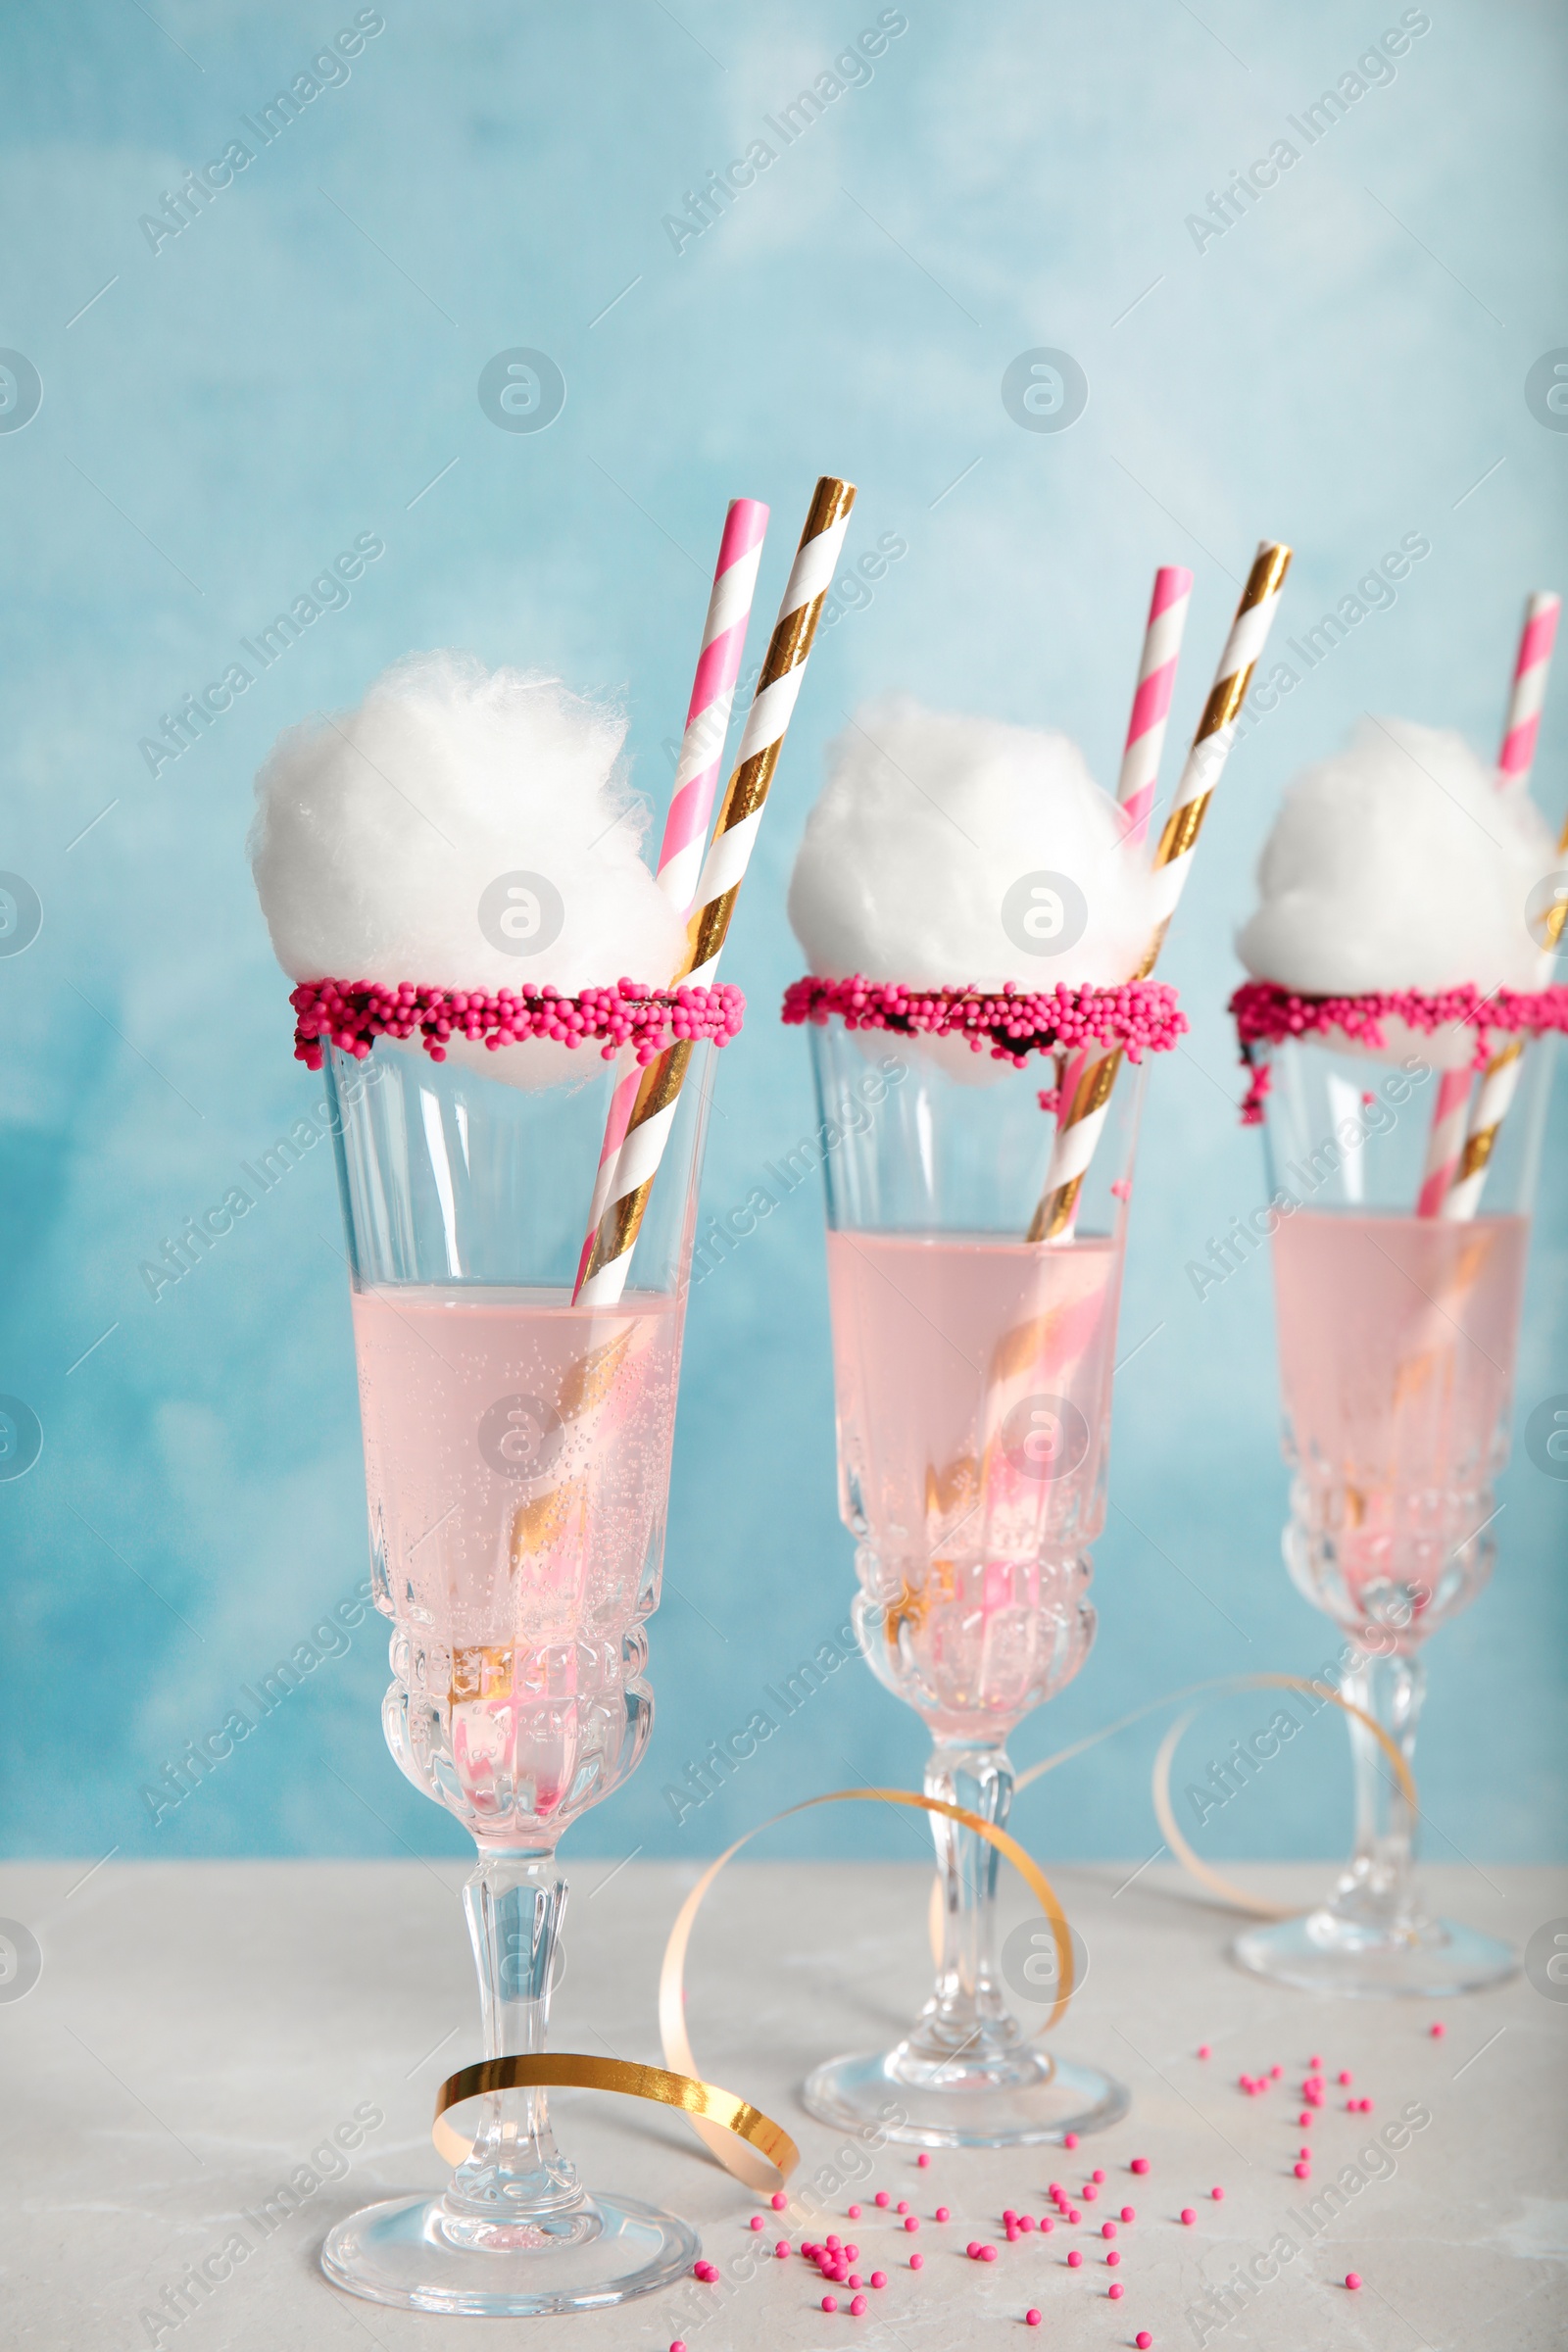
[418,2254]
[1424,1959]
[941,2104]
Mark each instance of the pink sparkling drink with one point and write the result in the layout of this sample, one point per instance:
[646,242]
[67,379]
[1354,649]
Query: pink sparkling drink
[516,1452]
[1396,1343]
[973,1374]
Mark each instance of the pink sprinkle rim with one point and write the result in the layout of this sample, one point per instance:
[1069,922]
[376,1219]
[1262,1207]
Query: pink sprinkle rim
[1015,1022]
[352,1014]
[1266,1015]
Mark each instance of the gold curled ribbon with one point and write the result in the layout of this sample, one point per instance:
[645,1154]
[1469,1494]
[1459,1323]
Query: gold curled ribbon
[704,2104]
[1160,1776]
[735,2156]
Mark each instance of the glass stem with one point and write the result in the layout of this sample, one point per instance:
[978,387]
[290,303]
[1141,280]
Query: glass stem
[514,1904]
[1377,1888]
[966,2019]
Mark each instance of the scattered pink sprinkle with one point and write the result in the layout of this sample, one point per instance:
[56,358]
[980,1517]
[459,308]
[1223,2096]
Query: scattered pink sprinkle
[1313,2065]
[1129,2213]
[757,2221]
[879,2278]
[1216,2194]
[1346,2076]
[854,2279]
[1031,2318]
[851,2252]
[781,2250]
[917,2262]
[942,2214]
[857,2306]
[923,2159]
[779,2200]
[1045,2222]
[855,2213]
[1275,2073]
[1304,2120]
[1089,2193]
[1189,2216]
[1121,1189]
[1070,2141]
[833,2245]
[882,2197]
[1008,2215]
[1097,2175]
[1204,2050]
[1438,2030]
[912,2222]
[1139,2164]
[1107,2229]
[1142,2339]
[1075,2260]
[1304,2172]
[987,2253]
[679,2345]
[903,2205]
[1111,2259]
[1353,2278]
[1026,2222]
[830,2302]
[1116,2291]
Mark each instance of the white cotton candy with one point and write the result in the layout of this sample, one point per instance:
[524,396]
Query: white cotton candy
[379,831]
[1398,864]
[926,824]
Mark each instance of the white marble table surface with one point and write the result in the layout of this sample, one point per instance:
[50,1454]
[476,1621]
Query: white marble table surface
[198,2028]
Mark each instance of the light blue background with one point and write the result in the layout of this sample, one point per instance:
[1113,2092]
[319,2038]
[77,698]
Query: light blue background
[1343,366]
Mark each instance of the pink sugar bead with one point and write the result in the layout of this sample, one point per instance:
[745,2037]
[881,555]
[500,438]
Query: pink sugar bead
[1216,2194]
[1189,2216]
[1129,2213]
[972,2250]
[923,2159]
[1070,2139]
[833,2245]
[781,2250]
[855,2278]
[1438,2030]
[1304,2172]
[882,2197]
[879,2278]
[912,2222]
[855,2213]
[1107,2229]
[1204,2050]
[1045,2223]
[779,2200]
[1026,2222]
[757,2221]
[1116,2291]
[917,2260]
[1097,2175]
[1075,2260]
[1275,2072]
[1031,2318]
[1346,2076]
[1313,2064]
[903,2205]
[851,2252]
[1111,2259]
[987,2253]
[679,2344]
[1139,2164]
[1089,2193]
[1007,2214]
[1353,2278]
[942,2213]
[1142,2339]
[830,2302]
[857,2306]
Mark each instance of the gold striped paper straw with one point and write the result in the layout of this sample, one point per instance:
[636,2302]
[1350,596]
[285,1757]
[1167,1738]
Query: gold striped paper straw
[1080,1129]
[778,686]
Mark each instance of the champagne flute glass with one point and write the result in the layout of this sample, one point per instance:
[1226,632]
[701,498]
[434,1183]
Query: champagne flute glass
[973,1374]
[1397,1342]
[517,1462]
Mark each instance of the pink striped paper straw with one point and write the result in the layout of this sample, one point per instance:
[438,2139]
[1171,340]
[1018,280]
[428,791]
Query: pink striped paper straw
[1529,692]
[1156,682]
[697,771]
[1138,780]
[1444,1140]
[701,751]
